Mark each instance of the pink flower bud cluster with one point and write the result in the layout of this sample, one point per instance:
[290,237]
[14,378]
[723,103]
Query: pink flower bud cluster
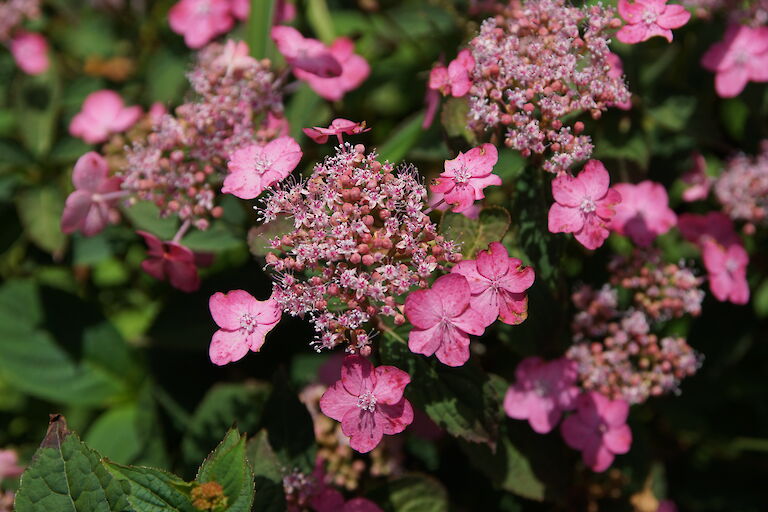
[536,63]
[14,12]
[742,188]
[361,240]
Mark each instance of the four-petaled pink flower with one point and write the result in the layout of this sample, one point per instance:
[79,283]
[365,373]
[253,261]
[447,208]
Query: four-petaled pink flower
[598,429]
[90,207]
[354,71]
[542,391]
[199,21]
[255,168]
[9,464]
[368,402]
[584,205]
[306,54]
[30,51]
[443,320]
[172,261]
[498,284]
[466,176]
[697,181]
[453,80]
[741,57]
[648,18]
[643,213]
[338,127]
[727,271]
[243,324]
[103,114]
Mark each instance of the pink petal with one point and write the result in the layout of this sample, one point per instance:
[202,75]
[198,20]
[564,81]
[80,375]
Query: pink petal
[597,456]
[593,234]
[468,268]
[126,118]
[284,153]
[454,347]
[228,309]
[614,412]
[423,308]
[576,433]
[425,341]
[543,415]
[96,220]
[390,384]
[568,191]
[359,505]
[674,16]
[513,307]
[75,210]
[394,418]
[90,171]
[227,347]
[30,51]
[595,179]
[336,401]
[633,34]
[453,292]
[470,321]
[363,429]
[730,82]
[183,275]
[564,219]
[357,375]
[155,267]
[480,160]
[519,279]
[493,263]
[486,304]
[631,13]
[154,245]
[618,439]
[461,197]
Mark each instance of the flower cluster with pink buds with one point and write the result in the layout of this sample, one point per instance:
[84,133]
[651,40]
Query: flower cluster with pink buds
[742,188]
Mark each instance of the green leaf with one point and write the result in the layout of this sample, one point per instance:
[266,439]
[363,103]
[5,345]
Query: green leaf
[37,100]
[320,20]
[20,304]
[40,213]
[166,76]
[259,27]
[145,216]
[734,114]
[760,300]
[66,475]
[153,490]
[674,113]
[228,466]
[266,467]
[259,237]
[89,250]
[406,136]
[453,117]
[217,238]
[412,493]
[476,234]
[305,109]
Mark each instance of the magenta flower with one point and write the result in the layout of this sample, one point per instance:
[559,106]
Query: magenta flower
[648,18]
[697,181]
[30,51]
[443,320]
[714,226]
[243,324]
[255,168]
[338,127]
[240,9]
[727,271]
[542,391]
[89,208]
[331,500]
[466,176]
[103,114]
[199,21]
[643,213]
[306,54]
[598,428]
[354,71]
[497,284]
[453,80]
[741,57]
[9,464]
[173,261]
[584,205]
[368,402]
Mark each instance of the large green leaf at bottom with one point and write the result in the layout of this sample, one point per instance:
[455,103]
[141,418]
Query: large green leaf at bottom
[228,466]
[153,490]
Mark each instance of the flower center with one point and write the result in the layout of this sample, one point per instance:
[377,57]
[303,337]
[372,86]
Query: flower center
[731,266]
[649,17]
[367,401]
[203,7]
[741,57]
[541,388]
[587,205]
[248,323]
[261,164]
[462,175]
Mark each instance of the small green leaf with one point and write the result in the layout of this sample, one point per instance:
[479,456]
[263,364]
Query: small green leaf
[40,213]
[305,109]
[476,234]
[270,496]
[320,20]
[412,493]
[228,466]
[259,27]
[453,117]
[674,113]
[153,490]
[217,238]
[145,216]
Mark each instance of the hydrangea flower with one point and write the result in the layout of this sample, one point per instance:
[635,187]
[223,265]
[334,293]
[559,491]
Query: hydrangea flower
[255,168]
[368,402]
[648,18]
[103,114]
[542,391]
[90,207]
[338,127]
[443,320]
[305,54]
[199,21]
[696,179]
[643,213]
[171,260]
[741,57]
[466,176]
[598,429]
[30,51]
[742,187]
[584,205]
[453,80]
[243,324]
[727,269]
[498,284]
[354,70]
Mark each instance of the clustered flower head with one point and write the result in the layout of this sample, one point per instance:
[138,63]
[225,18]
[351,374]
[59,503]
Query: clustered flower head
[742,188]
[537,62]
[648,18]
[14,12]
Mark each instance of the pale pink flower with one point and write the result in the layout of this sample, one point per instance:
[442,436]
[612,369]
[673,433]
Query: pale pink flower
[255,168]
[727,271]
[355,70]
[234,57]
[741,57]
[453,80]
[466,176]
[103,114]
[648,18]
[598,429]
[715,226]
[199,21]
[368,402]
[90,207]
[331,500]
[9,464]
[542,391]
[643,213]
[172,261]
[243,324]
[338,127]
[497,284]
[616,72]
[443,320]
[584,205]
[306,54]
[30,51]
[697,181]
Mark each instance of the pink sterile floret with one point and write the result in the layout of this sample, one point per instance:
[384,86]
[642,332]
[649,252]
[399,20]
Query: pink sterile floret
[443,320]
[30,51]
[498,284]
[584,205]
[255,168]
[173,261]
[697,181]
[234,57]
[89,208]
[199,21]
[741,57]
[338,127]
[598,429]
[354,70]
[9,464]
[542,391]
[643,213]
[306,54]
[727,271]
[648,18]
[368,402]
[103,114]
[453,80]
[715,226]
[466,176]
[243,323]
